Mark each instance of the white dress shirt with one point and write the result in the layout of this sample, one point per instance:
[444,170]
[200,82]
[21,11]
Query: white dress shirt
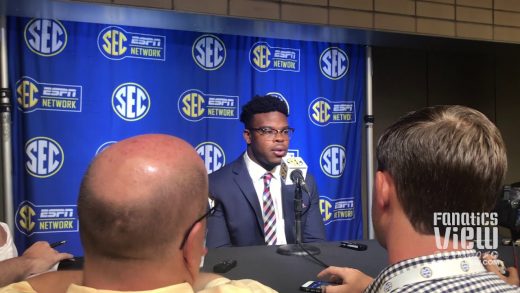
[256,172]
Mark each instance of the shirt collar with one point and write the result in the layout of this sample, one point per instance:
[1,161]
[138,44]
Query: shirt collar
[256,171]
[397,268]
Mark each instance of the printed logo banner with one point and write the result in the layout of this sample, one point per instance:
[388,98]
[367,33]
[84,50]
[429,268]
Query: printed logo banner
[80,87]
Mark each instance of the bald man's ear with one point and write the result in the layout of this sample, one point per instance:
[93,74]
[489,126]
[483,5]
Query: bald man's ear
[194,247]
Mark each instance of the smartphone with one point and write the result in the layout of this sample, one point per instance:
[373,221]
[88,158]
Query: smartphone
[314,286]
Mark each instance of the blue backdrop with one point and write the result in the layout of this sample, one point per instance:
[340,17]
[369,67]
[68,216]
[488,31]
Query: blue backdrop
[79,87]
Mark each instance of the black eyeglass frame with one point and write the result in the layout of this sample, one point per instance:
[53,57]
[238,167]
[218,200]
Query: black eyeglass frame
[265,131]
[210,212]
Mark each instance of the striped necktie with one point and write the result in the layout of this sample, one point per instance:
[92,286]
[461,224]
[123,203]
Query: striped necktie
[268,213]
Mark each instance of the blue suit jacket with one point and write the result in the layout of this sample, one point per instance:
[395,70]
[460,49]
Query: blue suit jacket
[238,219]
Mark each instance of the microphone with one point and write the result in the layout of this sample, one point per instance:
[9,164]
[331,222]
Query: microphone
[297,177]
[289,166]
[293,171]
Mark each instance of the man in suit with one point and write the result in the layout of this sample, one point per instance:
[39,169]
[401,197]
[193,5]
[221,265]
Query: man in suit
[257,208]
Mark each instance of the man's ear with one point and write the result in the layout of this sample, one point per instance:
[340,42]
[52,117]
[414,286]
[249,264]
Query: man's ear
[247,136]
[384,189]
[194,248]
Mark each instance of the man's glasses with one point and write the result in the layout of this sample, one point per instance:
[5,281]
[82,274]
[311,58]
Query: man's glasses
[212,207]
[271,132]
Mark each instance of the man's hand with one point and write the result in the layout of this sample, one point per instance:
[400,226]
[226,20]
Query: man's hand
[490,264]
[349,280]
[40,257]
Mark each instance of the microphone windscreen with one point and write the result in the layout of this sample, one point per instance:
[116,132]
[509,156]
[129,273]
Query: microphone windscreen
[289,164]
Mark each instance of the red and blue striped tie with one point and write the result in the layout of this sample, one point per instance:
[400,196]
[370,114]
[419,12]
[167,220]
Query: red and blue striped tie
[268,213]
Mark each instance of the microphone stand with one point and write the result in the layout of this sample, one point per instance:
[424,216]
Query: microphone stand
[298,248]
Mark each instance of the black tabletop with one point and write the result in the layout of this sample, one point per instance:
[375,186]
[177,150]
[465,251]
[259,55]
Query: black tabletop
[286,273]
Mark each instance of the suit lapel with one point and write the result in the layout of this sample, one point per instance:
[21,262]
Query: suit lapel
[244,182]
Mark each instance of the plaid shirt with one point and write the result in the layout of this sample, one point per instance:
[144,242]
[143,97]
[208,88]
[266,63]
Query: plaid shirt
[476,282]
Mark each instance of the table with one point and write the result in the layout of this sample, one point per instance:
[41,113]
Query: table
[286,273]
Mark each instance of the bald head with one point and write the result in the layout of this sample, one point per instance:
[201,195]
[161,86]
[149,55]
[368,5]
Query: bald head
[140,195]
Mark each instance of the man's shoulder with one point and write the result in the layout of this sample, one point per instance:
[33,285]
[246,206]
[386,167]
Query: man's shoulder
[57,281]
[226,170]
[20,287]
[450,277]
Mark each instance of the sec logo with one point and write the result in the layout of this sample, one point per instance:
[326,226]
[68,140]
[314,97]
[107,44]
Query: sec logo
[333,160]
[209,52]
[131,101]
[213,156]
[334,63]
[27,93]
[326,209]
[260,56]
[45,37]
[112,42]
[191,105]
[43,157]
[319,112]
[25,218]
